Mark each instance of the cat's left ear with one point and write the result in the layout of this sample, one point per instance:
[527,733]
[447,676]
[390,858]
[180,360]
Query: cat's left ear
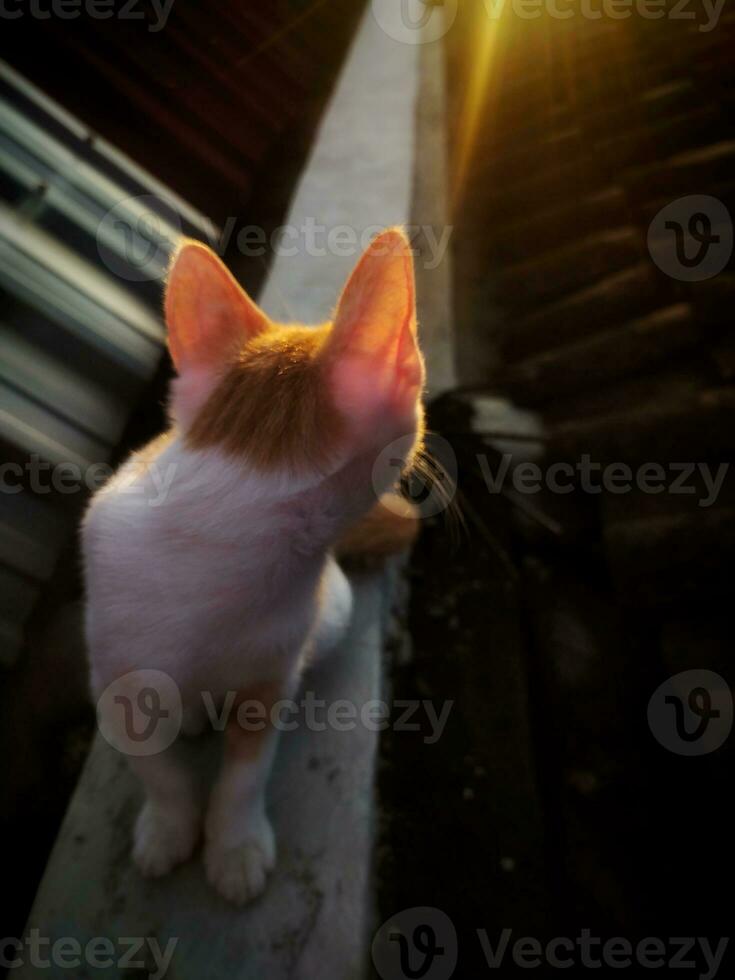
[376,363]
[208,314]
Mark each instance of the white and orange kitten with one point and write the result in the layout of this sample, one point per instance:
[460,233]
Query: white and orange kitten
[229,583]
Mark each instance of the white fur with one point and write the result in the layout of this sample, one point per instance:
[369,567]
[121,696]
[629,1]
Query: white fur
[214,564]
[223,580]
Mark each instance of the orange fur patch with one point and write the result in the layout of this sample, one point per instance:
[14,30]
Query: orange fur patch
[274,404]
[390,527]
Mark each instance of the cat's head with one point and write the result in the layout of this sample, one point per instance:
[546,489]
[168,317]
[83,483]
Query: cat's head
[296,400]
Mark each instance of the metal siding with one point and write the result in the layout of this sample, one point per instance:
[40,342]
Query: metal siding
[78,339]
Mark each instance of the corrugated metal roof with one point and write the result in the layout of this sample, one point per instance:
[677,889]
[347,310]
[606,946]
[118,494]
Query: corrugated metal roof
[80,332]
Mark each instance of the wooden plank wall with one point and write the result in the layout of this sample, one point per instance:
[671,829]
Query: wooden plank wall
[586,129]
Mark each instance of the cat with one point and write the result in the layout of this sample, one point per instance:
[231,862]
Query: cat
[230,583]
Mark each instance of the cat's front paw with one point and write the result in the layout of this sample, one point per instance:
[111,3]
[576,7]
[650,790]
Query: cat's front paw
[239,873]
[163,839]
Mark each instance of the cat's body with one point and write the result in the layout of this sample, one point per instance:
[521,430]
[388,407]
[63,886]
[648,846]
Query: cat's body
[221,572]
[227,581]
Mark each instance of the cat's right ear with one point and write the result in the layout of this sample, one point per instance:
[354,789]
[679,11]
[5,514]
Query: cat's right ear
[208,314]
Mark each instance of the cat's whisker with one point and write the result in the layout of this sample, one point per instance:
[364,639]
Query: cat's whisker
[432,474]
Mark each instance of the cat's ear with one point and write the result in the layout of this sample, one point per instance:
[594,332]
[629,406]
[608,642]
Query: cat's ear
[208,314]
[376,365]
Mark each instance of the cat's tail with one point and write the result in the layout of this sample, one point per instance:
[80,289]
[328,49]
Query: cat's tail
[389,528]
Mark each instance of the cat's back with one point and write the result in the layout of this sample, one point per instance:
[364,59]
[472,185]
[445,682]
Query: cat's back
[129,493]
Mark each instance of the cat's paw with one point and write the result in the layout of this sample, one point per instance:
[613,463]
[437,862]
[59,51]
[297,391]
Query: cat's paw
[163,839]
[240,873]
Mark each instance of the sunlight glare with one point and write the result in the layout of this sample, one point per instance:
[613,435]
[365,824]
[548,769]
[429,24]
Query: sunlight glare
[473,112]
